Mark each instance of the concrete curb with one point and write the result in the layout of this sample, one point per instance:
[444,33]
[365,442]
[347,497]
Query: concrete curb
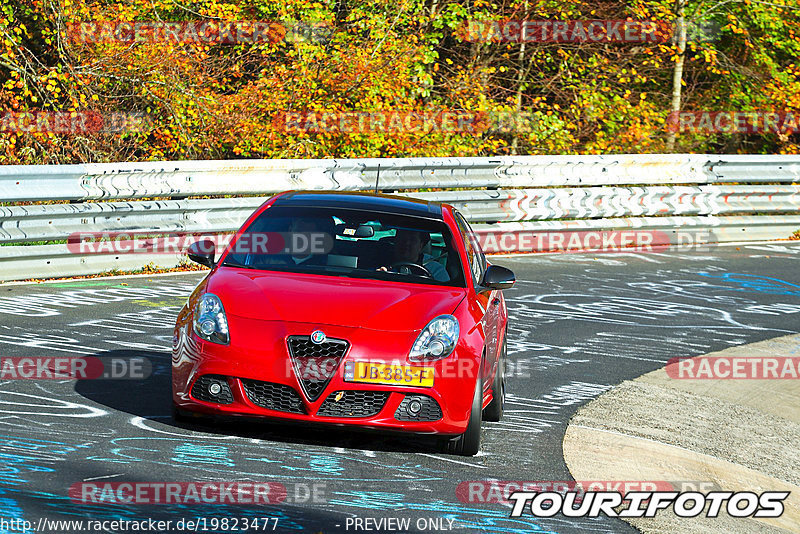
[741,435]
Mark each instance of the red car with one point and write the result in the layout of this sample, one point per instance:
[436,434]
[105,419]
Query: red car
[352,309]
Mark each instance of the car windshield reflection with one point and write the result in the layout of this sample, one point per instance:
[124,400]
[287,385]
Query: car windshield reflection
[350,243]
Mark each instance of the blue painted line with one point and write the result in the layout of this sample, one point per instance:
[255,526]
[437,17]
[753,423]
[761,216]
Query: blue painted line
[10,511]
[758,284]
[190,453]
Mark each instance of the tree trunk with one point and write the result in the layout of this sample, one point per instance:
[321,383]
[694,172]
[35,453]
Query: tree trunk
[518,99]
[521,75]
[677,74]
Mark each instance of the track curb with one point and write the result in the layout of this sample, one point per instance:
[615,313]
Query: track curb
[741,435]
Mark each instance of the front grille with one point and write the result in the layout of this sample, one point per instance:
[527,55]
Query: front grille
[279,397]
[353,404]
[430,409]
[200,389]
[315,364]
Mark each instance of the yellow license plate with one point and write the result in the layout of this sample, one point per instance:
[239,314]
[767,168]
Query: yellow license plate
[394,375]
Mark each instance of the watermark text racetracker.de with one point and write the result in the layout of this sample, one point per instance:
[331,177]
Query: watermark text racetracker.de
[499,491]
[206,32]
[197,493]
[425,121]
[75,368]
[253,243]
[395,371]
[567,31]
[83,122]
[745,122]
[627,240]
[734,368]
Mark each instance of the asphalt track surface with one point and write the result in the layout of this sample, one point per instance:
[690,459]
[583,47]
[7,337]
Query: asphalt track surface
[580,324]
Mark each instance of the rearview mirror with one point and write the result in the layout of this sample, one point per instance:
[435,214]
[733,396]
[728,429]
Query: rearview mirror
[362,231]
[365,230]
[497,277]
[202,252]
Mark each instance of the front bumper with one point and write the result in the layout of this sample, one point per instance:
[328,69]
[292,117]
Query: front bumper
[259,356]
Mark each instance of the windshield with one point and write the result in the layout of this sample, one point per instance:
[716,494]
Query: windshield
[349,242]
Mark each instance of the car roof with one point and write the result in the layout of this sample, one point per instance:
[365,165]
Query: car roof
[360,200]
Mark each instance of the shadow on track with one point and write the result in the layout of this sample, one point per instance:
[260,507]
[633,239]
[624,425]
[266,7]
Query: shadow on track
[151,399]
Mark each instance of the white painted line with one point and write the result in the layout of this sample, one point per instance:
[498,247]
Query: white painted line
[454,461]
[85,279]
[656,249]
[99,478]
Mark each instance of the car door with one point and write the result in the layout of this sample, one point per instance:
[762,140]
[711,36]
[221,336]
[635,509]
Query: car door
[487,299]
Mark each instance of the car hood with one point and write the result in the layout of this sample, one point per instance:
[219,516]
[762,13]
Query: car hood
[331,300]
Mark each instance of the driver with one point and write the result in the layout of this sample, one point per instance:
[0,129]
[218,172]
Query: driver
[307,257]
[408,245]
[310,226]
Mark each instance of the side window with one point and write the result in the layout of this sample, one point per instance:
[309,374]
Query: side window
[477,261]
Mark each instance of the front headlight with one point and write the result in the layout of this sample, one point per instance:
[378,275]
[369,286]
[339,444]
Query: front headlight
[437,340]
[209,320]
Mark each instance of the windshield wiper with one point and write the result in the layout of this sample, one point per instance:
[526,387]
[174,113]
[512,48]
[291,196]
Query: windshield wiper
[229,263]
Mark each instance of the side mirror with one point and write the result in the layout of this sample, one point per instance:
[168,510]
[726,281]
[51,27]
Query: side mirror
[497,277]
[202,252]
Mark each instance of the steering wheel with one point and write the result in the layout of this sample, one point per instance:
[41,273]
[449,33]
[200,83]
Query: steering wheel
[410,267]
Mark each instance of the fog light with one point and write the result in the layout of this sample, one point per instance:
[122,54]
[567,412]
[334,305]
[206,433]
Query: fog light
[414,407]
[214,388]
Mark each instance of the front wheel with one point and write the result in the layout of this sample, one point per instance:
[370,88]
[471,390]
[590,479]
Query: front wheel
[469,443]
[179,416]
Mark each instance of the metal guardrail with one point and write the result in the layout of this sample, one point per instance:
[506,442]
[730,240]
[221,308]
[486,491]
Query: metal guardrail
[697,232]
[21,224]
[110,181]
[596,202]
[562,193]
[53,222]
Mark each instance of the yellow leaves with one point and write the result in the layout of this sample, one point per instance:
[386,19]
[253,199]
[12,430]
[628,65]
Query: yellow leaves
[212,101]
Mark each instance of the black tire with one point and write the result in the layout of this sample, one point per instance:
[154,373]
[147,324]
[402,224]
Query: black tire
[469,443]
[494,412]
[181,416]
